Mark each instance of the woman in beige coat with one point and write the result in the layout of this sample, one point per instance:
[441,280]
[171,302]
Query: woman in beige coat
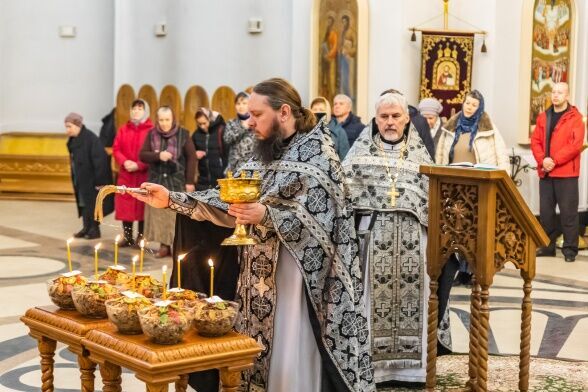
[470,136]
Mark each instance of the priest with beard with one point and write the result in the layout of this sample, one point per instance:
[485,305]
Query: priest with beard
[390,199]
[300,289]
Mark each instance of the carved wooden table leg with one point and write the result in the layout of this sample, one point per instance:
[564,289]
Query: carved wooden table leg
[47,351]
[157,387]
[474,325]
[525,337]
[483,340]
[432,336]
[111,377]
[87,368]
[182,383]
[230,380]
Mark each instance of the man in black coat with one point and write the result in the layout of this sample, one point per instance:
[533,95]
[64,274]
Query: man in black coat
[90,171]
[420,123]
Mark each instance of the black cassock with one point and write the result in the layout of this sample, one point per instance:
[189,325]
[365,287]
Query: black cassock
[201,241]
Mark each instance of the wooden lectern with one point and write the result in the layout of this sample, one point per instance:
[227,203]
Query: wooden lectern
[481,215]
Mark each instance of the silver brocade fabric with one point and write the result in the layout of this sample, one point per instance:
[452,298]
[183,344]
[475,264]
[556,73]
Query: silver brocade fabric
[392,244]
[312,217]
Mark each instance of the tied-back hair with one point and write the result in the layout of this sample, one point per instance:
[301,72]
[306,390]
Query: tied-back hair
[279,92]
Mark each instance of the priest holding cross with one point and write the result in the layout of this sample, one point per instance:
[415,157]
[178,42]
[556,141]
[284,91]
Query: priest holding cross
[390,199]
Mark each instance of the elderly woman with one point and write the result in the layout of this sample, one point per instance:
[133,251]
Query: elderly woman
[430,109]
[470,136]
[172,161]
[132,173]
[322,110]
[238,138]
[90,171]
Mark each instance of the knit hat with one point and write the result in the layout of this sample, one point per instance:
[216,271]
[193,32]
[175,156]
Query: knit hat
[75,119]
[430,106]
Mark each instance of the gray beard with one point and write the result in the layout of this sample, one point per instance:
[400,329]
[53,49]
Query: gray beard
[266,150]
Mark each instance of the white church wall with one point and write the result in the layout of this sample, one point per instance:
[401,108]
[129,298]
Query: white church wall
[44,76]
[207,43]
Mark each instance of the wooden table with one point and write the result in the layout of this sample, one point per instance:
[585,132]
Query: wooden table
[158,365]
[49,325]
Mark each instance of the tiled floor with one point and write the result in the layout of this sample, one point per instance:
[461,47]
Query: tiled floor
[32,249]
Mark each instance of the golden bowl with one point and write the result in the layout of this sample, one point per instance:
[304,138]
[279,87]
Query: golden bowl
[240,190]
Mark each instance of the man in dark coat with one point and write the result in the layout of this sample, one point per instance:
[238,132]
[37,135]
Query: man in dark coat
[420,123]
[90,171]
[343,116]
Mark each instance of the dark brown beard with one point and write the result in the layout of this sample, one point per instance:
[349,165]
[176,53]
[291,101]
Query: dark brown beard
[268,149]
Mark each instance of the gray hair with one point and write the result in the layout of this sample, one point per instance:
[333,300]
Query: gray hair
[166,109]
[394,99]
[344,98]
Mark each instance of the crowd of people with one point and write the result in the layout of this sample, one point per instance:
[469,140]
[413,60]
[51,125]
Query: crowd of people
[320,292]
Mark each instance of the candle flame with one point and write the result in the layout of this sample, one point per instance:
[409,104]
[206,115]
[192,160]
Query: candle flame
[210,263]
[69,241]
[117,238]
[164,269]
[142,243]
[97,246]
[135,258]
[181,257]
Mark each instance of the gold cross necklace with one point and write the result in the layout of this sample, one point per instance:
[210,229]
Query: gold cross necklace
[393,193]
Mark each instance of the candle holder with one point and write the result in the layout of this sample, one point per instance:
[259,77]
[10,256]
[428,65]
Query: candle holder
[107,190]
[240,190]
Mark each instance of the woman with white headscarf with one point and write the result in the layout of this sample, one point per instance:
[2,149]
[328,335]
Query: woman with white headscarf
[132,173]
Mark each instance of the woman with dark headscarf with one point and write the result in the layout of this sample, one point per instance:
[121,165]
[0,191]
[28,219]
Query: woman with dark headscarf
[171,156]
[132,173]
[210,150]
[470,136]
[237,137]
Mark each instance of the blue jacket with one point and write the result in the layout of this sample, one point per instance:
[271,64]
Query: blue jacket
[340,139]
[352,127]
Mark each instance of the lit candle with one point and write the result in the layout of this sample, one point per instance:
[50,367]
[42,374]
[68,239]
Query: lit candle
[135,258]
[116,249]
[69,254]
[180,258]
[96,260]
[211,264]
[164,271]
[142,245]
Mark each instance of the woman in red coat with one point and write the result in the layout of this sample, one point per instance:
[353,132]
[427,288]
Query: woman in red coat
[127,144]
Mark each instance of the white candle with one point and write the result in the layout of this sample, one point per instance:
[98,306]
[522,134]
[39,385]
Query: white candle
[142,245]
[96,260]
[116,239]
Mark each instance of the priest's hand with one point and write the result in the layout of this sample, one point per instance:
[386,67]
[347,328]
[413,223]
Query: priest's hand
[247,213]
[157,197]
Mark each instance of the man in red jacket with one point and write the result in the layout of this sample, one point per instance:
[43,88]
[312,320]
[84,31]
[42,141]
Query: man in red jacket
[557,143]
